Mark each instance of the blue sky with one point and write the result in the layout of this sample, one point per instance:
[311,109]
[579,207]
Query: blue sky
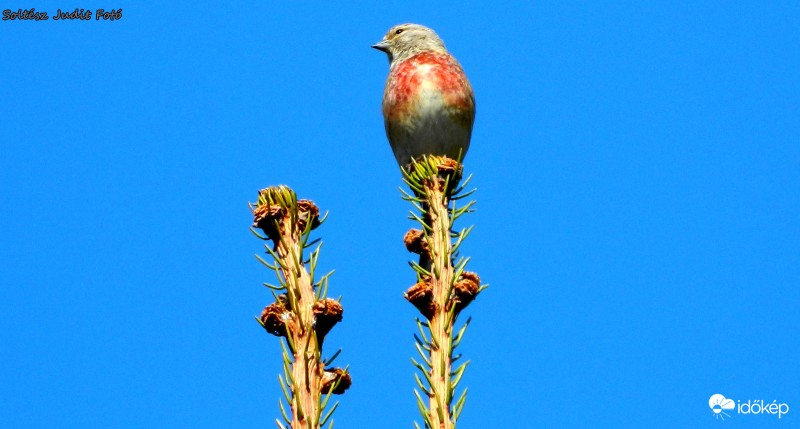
[638,174]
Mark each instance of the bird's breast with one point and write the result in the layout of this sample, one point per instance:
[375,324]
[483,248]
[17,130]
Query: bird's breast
[425,85]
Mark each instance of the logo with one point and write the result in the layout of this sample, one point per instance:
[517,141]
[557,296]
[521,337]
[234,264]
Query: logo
[719,404]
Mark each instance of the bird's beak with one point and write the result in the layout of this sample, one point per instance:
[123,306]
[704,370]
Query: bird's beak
[383,45]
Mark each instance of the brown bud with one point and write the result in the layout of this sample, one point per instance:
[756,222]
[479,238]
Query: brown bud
[265,218]
[421,295]
[466,289]
[336,381]
[449,168]
[415,241]
[307,211]
[328,313]
[274,318]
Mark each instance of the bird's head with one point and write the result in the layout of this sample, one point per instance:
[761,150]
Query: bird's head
[405,40]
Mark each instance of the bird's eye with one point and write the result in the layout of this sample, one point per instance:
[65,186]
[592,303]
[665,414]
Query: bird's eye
[399,30]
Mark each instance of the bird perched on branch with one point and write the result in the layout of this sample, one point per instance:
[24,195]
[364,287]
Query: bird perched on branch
[428,103]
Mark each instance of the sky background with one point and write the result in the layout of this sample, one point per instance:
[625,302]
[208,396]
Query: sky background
[638,176]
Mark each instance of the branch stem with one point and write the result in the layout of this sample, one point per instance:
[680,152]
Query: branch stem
[307,369]
[441,326]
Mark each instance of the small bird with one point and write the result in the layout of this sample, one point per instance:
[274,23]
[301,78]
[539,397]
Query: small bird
[428,103]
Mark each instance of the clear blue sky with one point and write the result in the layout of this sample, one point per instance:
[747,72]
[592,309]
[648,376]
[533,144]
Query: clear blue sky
[638,175]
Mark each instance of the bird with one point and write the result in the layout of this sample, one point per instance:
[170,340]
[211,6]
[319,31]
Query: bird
[428,103]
